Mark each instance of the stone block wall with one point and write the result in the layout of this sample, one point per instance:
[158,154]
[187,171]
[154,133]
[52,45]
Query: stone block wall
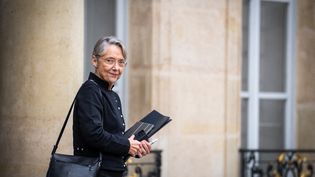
[41,68]
[305,62]
[185,62]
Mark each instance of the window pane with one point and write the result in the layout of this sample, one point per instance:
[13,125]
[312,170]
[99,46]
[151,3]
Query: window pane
[245,47]
[244,123]
[100,20]
[272,46]
[271,124]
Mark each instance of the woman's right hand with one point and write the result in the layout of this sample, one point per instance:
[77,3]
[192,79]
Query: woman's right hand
[134,146]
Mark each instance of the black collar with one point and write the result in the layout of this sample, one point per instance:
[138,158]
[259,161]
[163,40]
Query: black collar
[102,83]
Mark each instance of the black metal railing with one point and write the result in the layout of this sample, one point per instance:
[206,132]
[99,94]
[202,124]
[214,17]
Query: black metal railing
[148,166]
[277,162]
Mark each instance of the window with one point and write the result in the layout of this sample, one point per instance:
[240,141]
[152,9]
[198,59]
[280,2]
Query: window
[267,74]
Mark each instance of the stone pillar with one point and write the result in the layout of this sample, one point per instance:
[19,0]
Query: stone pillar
[41,68]
[305,103]
[184,61]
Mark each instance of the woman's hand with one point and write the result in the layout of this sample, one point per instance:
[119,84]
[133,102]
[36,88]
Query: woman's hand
[134,146]
[145,148]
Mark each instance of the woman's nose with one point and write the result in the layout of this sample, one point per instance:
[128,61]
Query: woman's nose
[115,66]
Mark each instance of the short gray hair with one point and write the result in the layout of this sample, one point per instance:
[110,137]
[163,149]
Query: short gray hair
[102,44]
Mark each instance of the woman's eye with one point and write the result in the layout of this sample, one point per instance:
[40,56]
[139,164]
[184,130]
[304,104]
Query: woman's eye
[109,60]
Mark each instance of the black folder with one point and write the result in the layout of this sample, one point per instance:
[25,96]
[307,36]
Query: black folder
[148,126]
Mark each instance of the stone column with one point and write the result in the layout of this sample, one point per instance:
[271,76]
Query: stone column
[305,89]
[185,62]
[41,68]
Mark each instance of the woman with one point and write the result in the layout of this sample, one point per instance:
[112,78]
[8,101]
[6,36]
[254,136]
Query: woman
[99,125]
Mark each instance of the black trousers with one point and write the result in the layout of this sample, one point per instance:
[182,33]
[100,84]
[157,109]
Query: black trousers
[108,173]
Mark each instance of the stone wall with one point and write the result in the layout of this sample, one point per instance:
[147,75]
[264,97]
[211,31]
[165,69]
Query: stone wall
[41,67]
[185,62]
[305,100]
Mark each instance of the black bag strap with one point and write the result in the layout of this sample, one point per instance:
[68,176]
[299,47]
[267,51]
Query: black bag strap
[67,118]
[63,127]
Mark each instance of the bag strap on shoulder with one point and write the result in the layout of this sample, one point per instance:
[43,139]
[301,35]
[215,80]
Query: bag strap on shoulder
[67,118]
[63,127]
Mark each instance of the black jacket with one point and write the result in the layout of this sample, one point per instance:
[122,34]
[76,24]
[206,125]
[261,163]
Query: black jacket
[98,124]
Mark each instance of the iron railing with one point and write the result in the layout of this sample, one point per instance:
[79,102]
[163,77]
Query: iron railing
[148,166]
[277,162]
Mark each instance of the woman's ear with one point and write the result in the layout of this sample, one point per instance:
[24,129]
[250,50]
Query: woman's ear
[94,61]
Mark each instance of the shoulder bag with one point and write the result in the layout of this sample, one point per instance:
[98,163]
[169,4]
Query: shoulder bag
[62,165]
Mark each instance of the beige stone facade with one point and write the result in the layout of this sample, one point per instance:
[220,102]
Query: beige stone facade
[184,61]
[41,67]
[305,54]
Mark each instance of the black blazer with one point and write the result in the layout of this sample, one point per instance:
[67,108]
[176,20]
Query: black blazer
[98,124]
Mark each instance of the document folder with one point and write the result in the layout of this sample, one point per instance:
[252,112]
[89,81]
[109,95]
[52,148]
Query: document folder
[148,126]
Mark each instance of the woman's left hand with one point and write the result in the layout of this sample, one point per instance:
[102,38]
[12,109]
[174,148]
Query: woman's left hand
[145,148]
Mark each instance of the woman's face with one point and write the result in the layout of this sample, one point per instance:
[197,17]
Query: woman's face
[109,66]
